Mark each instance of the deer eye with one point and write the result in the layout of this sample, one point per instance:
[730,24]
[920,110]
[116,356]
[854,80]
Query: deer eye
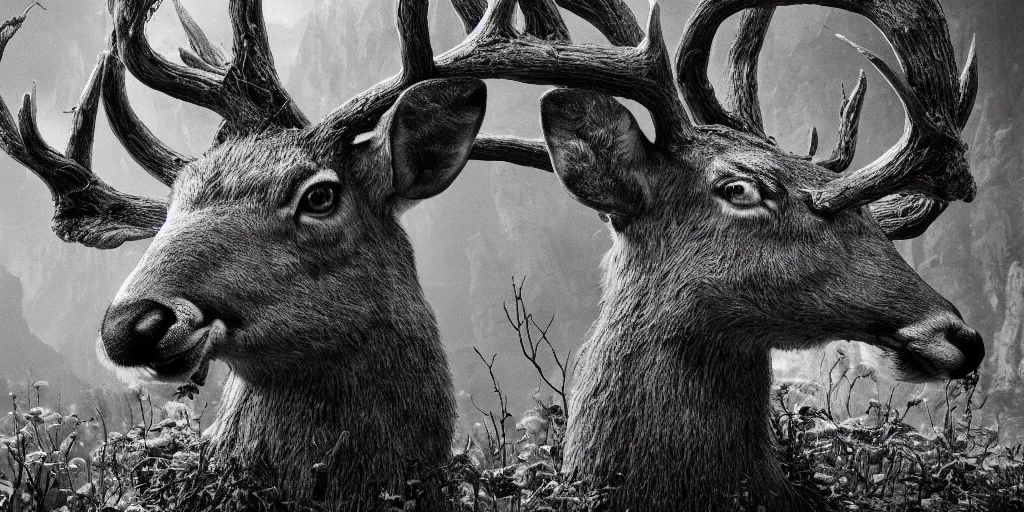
[319,200]
[741,193]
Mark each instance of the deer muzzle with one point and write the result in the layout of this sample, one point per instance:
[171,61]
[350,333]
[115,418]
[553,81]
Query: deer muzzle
[939,347]
[172,339]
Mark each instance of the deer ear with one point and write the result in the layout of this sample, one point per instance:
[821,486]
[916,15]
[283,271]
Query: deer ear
[430,131]
[597,149]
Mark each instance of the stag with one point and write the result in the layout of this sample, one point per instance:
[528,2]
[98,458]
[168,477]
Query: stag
[279,250]
[725,246]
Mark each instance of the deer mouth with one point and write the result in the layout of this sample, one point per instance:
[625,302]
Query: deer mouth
[169,341]
[190,361]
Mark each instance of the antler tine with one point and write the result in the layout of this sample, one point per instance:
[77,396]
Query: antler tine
[417,53]
[361,113]
[846,139]
[159,160]
[86,210]
[905,216]
[613,18]
[968,86]
[252,71]
[902,168]
[543,20]
[204,54]
[83,124]
[470,12]
[248,94]
[744,56]
[189,85]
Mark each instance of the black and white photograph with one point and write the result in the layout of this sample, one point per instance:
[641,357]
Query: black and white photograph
[511,255]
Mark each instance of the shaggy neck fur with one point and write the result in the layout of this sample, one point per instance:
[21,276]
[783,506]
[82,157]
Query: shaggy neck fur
[342,429]
[669,407]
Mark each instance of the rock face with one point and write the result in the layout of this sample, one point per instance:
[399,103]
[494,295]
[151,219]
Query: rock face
[24,358]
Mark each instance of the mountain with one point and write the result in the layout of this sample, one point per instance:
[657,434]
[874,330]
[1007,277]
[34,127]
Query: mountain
[24,358]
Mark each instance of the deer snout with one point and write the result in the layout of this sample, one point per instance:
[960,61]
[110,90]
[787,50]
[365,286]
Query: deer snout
[970,344]
[170,337]
[943,347]
[132,332]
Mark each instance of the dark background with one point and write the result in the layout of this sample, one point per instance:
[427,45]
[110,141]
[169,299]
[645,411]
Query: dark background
[498,221]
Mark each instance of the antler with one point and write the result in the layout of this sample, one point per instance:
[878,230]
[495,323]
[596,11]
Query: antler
[245,91]
[541,55]
[87,210]
[910,184]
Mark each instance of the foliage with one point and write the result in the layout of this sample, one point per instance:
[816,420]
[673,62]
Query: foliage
[874,461]
[871,461]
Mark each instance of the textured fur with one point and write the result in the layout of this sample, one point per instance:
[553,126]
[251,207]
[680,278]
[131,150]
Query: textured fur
[671,396]
[334,353]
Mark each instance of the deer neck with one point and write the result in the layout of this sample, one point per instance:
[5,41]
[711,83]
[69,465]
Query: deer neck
[675,405]
[358,420]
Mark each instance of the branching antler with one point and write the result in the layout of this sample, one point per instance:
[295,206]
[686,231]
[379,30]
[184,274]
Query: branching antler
[907,187]
[246,91]
[496,49]
[87,210]
[913,181]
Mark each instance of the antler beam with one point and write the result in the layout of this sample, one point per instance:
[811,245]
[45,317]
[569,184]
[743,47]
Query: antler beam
[86,210]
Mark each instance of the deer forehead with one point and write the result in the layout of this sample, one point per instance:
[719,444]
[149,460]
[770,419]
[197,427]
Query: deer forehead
[251,171]
[756,159]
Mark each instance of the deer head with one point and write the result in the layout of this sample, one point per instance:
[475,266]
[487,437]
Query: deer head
[796,248]
[725,245]
[721,202]
[279,250]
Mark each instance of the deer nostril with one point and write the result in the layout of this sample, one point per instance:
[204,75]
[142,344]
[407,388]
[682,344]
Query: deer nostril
[969,342]
[132,331]
[152,324]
